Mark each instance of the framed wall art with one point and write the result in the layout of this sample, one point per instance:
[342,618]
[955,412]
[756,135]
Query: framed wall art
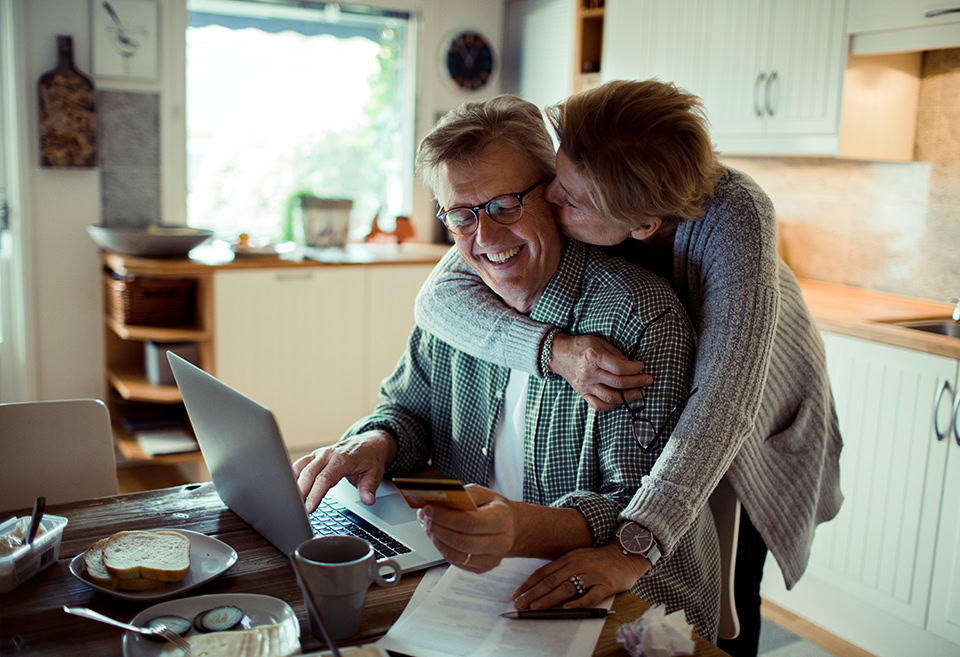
[125,39]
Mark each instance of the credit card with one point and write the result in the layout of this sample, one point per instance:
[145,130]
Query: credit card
[445,492]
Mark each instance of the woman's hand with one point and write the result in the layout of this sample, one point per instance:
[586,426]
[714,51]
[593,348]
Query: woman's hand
[603,571]
[597,370]
[473,540]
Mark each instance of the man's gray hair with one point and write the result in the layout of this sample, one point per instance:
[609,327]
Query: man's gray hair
[463,133]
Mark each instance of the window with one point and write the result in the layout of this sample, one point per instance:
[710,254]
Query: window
[288,98]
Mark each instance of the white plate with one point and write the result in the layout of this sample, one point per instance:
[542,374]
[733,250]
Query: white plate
[257,610]
[209,558]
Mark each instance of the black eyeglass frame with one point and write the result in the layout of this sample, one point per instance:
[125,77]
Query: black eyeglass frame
[442,214]
[635,414]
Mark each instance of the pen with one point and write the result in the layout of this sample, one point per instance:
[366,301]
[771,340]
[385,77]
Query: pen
[554,614]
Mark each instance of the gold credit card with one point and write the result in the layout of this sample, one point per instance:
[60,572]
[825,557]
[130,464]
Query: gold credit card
[445,492]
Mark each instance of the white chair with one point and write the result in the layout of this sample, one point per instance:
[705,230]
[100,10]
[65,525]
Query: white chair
[62,450]
[726,516]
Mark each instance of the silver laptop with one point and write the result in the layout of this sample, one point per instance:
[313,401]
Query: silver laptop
[243,450]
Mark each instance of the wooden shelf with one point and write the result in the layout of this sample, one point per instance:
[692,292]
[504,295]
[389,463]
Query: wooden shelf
[156,333]
[591,13]
[131,451]
[133,386]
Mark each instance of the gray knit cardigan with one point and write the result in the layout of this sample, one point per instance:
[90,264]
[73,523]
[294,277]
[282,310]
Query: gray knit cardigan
[764,411]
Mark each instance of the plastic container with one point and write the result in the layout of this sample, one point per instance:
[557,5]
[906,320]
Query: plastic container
[26,561]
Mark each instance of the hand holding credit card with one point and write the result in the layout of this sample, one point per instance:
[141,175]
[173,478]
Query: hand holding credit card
[444,492]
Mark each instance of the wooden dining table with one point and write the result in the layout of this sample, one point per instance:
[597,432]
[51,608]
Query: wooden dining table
[32,621]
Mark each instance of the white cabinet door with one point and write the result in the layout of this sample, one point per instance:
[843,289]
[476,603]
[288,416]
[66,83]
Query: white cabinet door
[540,50]
[293,340]
[944,616]
[389,320]
[879,15]
[645,39]
[807,57]
[880,547]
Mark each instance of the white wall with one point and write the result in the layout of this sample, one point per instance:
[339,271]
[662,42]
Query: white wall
[62,265]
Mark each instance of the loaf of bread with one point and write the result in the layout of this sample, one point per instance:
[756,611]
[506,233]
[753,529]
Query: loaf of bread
[97,572]
[138,560]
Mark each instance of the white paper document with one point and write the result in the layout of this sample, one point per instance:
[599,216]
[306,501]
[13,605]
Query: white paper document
[461,617]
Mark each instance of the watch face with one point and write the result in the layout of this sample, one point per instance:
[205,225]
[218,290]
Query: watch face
[635,539]
[469,60]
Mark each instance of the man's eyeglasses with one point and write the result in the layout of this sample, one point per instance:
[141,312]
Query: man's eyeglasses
[646,433]
[505,209]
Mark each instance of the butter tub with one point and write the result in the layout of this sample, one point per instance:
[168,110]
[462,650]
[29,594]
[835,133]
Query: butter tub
[25,561]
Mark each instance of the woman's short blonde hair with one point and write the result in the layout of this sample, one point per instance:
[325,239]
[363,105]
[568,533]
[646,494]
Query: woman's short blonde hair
[643,148]
[464,132]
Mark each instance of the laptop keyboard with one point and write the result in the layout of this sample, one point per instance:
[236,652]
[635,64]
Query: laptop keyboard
[333,519]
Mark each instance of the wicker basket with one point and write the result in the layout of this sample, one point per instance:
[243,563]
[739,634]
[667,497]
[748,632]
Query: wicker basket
[150,301]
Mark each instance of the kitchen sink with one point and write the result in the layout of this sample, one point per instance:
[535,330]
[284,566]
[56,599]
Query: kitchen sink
[939,325]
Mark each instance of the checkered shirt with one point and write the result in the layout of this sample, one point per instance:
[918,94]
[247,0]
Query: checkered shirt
[442,405]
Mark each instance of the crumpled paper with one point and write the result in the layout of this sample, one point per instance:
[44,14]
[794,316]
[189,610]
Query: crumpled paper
[657,634]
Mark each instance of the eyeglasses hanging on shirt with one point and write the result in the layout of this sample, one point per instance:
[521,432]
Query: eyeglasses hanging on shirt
[646,433]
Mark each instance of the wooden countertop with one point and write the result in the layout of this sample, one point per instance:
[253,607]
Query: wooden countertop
[861,314]
[204,261]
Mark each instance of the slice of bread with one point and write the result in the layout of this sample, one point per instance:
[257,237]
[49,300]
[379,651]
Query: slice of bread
[97,572]
[162,556]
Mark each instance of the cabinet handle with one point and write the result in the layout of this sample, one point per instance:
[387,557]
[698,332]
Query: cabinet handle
[936,407]
[933,13]
[956,420]
[756,91]
[284,277]
[766,94]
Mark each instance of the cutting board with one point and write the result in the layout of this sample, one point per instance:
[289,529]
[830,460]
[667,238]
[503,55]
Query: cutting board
[68,119]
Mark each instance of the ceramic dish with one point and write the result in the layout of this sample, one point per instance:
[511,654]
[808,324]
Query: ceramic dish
[149,242]
[209,558]
[268,250]
[257,610]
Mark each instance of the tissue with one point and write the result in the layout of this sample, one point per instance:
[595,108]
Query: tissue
[657,634]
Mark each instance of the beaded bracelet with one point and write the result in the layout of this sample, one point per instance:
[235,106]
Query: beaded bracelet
[546,355]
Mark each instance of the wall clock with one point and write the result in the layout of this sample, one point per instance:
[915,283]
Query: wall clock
[469,60]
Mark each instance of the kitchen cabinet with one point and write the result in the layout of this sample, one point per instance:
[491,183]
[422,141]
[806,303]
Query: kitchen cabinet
[312,344]
[883,573]
[541,42]
[885,26]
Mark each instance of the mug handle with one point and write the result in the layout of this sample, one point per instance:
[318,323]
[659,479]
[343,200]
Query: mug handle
[380,579]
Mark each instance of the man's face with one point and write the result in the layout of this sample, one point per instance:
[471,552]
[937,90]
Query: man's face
[517,260]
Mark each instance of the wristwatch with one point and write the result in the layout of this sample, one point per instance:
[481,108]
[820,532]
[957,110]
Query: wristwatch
[636,539]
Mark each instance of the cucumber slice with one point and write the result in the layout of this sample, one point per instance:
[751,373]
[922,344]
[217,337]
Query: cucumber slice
[218,619]
[177,624]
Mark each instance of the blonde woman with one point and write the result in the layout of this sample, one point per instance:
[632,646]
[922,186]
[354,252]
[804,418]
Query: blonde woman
[636,172]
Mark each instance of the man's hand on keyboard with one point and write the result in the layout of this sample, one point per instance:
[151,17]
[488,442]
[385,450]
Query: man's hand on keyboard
[361,459]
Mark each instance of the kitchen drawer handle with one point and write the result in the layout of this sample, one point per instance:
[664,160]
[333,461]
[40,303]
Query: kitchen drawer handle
[936,407]
[933,13]
[284,277]
[956,420]
[756,92]
[766,95]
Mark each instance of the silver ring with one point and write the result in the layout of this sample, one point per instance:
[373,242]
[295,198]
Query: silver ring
[467,560]
[578,584]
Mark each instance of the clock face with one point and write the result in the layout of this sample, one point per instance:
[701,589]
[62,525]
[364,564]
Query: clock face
[469,61]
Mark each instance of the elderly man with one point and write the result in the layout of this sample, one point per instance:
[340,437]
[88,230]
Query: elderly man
[547,473]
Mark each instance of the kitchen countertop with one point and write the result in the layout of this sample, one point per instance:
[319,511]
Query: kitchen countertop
[203,261]
[860,313]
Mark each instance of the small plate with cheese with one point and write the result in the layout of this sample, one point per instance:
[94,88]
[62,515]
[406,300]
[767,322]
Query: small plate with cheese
[268,628]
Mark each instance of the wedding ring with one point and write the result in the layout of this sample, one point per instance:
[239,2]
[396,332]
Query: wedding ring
[578,584]
[467,560]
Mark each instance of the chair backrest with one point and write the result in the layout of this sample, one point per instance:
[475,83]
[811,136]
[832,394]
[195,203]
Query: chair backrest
[726,515]
[63,450]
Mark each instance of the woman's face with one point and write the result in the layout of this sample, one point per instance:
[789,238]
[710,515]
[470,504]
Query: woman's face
[577,217]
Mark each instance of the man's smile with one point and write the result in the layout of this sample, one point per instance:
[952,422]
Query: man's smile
[503,256]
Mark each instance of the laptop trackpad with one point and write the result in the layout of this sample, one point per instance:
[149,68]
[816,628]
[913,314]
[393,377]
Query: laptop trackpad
[392,509]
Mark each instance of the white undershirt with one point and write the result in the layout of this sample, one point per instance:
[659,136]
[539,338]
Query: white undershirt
[507,475]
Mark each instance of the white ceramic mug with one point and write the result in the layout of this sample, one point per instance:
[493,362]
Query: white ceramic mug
[339,570]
